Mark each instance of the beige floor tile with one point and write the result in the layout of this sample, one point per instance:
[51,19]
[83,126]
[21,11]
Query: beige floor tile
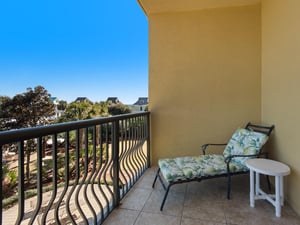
[145,182]
[136,198]
[157,219]
[209,212]
[122,217]
[197,203]
[173,205]
[189,221]
[147,179]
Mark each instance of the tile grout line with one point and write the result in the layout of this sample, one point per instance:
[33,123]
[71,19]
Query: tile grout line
[141,210]
[184,199]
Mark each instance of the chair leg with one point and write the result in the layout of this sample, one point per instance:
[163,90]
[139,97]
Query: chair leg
[165,197]
[228,185]
[157,174]
[166,189]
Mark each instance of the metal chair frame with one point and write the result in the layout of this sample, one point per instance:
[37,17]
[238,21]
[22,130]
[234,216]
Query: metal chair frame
[257,128]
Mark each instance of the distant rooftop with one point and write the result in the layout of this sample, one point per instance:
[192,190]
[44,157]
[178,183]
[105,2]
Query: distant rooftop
[142,101]
[82,99]
[113,100]
[54,100]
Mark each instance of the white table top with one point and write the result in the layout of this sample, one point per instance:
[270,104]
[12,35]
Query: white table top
[268,167]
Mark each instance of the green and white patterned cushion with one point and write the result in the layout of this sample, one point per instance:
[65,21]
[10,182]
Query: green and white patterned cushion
[213,164]
[244,142]
[170,170]
[183,168]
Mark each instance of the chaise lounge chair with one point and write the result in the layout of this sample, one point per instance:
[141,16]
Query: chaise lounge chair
[245,143]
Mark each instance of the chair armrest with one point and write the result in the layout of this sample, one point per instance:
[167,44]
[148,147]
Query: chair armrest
[203,147]
[229,158]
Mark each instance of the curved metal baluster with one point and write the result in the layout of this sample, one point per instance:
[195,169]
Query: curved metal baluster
[143,141]
[121,153]
[1,206]
[138,145]
[78,178]
[21,178]
[108,166]
[54,179]
[95,170]
[39,181]
[101,170]
[127,158]
[135,166]
[146,142]
[142,156]
[123,156]
[67,178]
[87,179]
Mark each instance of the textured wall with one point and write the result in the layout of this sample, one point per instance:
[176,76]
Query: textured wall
[204,77]
[281,86]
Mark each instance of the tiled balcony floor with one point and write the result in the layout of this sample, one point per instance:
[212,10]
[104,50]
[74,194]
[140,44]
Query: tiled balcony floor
[201,203]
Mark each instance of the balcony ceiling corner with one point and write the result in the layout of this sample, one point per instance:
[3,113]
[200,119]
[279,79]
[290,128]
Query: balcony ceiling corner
[163,6]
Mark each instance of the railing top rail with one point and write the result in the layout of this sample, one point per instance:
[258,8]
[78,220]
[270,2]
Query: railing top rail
[39,131]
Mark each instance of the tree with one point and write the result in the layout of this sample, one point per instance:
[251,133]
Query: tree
[6,122]
[29,109]
[117,109]
[62,105]
[77,111]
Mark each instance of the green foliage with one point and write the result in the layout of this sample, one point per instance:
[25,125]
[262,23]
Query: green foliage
[12,174]
[28,109]
[117,109]
[62,105]
[76,111]
[83,110]
[9,180]
[4,170]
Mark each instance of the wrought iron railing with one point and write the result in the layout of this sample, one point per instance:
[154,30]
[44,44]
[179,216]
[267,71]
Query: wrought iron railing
[71,173]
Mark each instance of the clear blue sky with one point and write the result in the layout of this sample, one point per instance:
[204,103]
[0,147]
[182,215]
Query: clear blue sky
[87,48]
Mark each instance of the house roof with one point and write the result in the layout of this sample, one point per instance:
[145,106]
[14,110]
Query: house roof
[142,101]
[54,100]
[82,99]
[113,100]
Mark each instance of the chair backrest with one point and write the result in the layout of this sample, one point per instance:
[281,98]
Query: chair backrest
[259,128]
[247,141]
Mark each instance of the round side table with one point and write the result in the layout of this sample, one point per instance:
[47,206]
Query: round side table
[272,168]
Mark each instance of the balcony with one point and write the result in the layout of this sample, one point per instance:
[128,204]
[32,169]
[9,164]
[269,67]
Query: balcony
[78,172]
[90,193]
[108,181]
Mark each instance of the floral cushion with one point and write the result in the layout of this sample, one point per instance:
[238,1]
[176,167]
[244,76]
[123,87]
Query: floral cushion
[215,165]
[244,142]
[183,168]
[170,170]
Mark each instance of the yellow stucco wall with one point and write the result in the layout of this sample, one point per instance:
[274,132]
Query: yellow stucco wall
[281,86]
[204,77]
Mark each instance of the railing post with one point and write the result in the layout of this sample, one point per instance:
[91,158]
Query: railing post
[1,185]
[148,140]
[21,180]
[116,162]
